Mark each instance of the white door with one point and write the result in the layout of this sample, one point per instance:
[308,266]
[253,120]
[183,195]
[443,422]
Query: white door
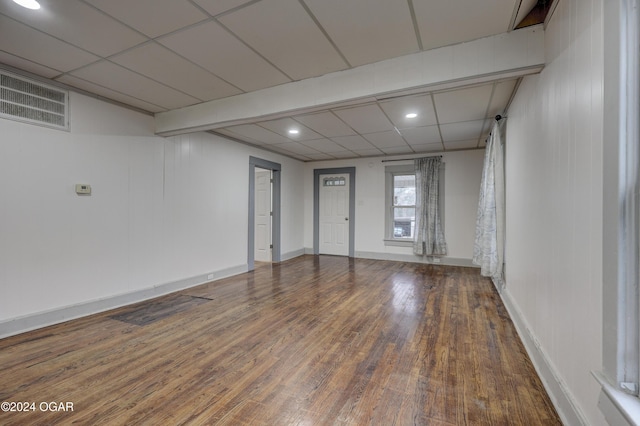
[262,232]
[334,214]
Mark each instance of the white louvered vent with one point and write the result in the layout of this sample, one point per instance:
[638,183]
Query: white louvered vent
[33,102]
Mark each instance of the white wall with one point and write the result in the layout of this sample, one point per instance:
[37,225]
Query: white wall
[554,208]
[162,210]
[463,171]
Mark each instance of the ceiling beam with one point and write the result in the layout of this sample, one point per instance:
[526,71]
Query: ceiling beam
[512,54]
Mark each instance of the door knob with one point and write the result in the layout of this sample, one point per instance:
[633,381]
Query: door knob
[346,218]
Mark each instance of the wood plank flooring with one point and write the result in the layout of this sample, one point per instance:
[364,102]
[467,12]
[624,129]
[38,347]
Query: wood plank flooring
[317,340]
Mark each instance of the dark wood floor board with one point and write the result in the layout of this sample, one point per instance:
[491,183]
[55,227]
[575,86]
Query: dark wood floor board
[317,340]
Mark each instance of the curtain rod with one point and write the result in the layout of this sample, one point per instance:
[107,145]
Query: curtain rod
[407,159]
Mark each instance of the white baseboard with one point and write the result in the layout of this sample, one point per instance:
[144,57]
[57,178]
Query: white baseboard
[443,260]
[292,254]
[43,319]
[558,391]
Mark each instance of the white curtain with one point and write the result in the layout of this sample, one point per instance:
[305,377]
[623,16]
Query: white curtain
[488,250]
[429,237]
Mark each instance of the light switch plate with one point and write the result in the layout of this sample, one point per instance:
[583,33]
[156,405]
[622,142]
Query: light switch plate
[83,189]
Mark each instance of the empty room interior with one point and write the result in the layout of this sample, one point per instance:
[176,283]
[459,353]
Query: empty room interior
[261,212]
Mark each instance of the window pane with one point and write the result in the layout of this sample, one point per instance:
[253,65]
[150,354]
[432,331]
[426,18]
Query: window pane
[403,222]
[404,190]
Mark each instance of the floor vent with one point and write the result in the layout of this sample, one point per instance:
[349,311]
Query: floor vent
[33,102]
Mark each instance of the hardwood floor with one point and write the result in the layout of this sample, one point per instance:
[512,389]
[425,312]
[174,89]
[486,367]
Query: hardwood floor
[311,341]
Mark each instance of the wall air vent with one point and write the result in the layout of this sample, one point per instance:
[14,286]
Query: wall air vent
[33,102]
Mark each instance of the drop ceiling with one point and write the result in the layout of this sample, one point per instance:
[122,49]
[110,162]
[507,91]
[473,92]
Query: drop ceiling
[162,55]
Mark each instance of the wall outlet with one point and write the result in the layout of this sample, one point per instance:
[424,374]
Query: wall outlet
[210,276]
[435,259]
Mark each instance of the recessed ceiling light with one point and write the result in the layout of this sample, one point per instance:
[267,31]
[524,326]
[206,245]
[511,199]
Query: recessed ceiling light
[29,4]
[294,131]
[411,115]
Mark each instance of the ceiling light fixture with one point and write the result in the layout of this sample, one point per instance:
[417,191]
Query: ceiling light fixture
[294,131]
[411,115]
[29,4]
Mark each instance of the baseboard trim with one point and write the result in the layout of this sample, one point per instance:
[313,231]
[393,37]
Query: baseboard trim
[444,260]
[555,386]
[292,254]
[55,316]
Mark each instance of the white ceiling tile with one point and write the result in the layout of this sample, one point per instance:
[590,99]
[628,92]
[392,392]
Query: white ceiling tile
[164,66]
[283,32]
[442,23]
[107,93]
[386,139]
[463,104]
[343,154]
[461,144]
[283,125]
[367,31]
[365,119]
[397,150]
[421,135]
[430,147]
[326,124]
[353,143]
[258,133]
[27,65]
[320,156]
[122,80]
[397,109]
[368,152]
[464,130]
[297,148]
[77,23]
[324,145]
[34,46]
[224,55]
[501,95]
[216,7]
[152,17]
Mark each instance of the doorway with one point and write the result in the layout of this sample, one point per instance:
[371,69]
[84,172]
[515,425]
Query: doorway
[263,212]
[260,167]
[334,211]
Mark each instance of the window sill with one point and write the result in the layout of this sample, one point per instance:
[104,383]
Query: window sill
[398,243]
[616,405]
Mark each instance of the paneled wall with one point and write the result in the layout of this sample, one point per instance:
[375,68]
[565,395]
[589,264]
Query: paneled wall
[161,211]
[554,208]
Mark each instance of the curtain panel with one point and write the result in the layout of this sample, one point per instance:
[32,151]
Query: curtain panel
[488,250]
[429,236]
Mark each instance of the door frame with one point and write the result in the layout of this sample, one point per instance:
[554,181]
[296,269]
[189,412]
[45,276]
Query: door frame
[351,171]
[275,223]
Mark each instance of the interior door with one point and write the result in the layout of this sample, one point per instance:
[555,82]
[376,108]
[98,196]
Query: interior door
[334,214]
[263,216]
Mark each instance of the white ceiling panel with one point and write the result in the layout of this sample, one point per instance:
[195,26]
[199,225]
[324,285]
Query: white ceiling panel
[216,7]
[385,139]
[225,56]
[397,150]
[464,130]
[326,124]
[152,17]
[464,104]
[164,66]
[283,125]
[297,148]
[368,152]
[324,145]
[501,96]
[108,93]
[345,154]
[461,144]
[353,143]
[430,147]
[365,119]
[78,24]
[367,31]
[397,109]
[258,133]
[283,32]
[442,23]
[26,65]
[122,80]
[32,45]
[318,157]
[422,135]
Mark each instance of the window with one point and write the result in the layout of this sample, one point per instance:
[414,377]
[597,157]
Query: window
[400,197]
[404,205]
